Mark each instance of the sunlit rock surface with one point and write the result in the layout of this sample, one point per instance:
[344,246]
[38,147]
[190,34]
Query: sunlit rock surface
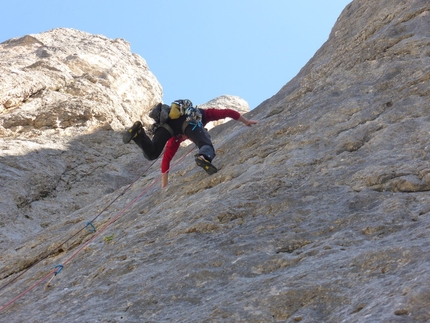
[318,214]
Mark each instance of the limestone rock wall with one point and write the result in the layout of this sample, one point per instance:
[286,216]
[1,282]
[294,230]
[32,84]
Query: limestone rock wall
[68,78]
[63,95]
[318,214]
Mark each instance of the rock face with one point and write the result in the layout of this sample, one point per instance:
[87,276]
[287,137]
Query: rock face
[318,214]
[63,94]
[75,78]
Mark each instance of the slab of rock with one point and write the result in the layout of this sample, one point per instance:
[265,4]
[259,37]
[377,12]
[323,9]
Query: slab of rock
[318,214]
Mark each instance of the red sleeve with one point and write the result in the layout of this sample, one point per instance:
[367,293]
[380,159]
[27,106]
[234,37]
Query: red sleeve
[212,114]
[172,147]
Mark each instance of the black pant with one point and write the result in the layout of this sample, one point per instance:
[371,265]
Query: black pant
[152,148]
[197,134]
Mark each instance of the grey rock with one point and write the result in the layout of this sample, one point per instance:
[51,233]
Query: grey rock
[318,214]
[62,94]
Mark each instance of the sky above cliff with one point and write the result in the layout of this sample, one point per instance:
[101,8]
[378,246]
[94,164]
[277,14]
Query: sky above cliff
[197,49]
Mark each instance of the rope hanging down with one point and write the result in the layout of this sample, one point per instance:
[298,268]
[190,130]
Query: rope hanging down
[57,269]
[89,223]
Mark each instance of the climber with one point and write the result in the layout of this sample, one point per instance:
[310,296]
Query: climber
[208,115]
[181,121]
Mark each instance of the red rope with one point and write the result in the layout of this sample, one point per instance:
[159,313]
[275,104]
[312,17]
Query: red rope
[27,290]
[76,233]
[54,272]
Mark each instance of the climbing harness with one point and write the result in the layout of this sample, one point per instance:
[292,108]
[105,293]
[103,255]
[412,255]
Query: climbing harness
[193,117]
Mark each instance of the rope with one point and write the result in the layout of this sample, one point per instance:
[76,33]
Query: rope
[89,223]
[58,268]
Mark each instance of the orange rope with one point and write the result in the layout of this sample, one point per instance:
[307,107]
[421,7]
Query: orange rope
[54,272]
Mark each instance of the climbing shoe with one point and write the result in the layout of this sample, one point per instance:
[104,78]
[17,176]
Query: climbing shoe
[206,165]
[131,132]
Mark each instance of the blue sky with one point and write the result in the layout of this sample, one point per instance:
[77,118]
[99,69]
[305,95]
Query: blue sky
[197,49]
